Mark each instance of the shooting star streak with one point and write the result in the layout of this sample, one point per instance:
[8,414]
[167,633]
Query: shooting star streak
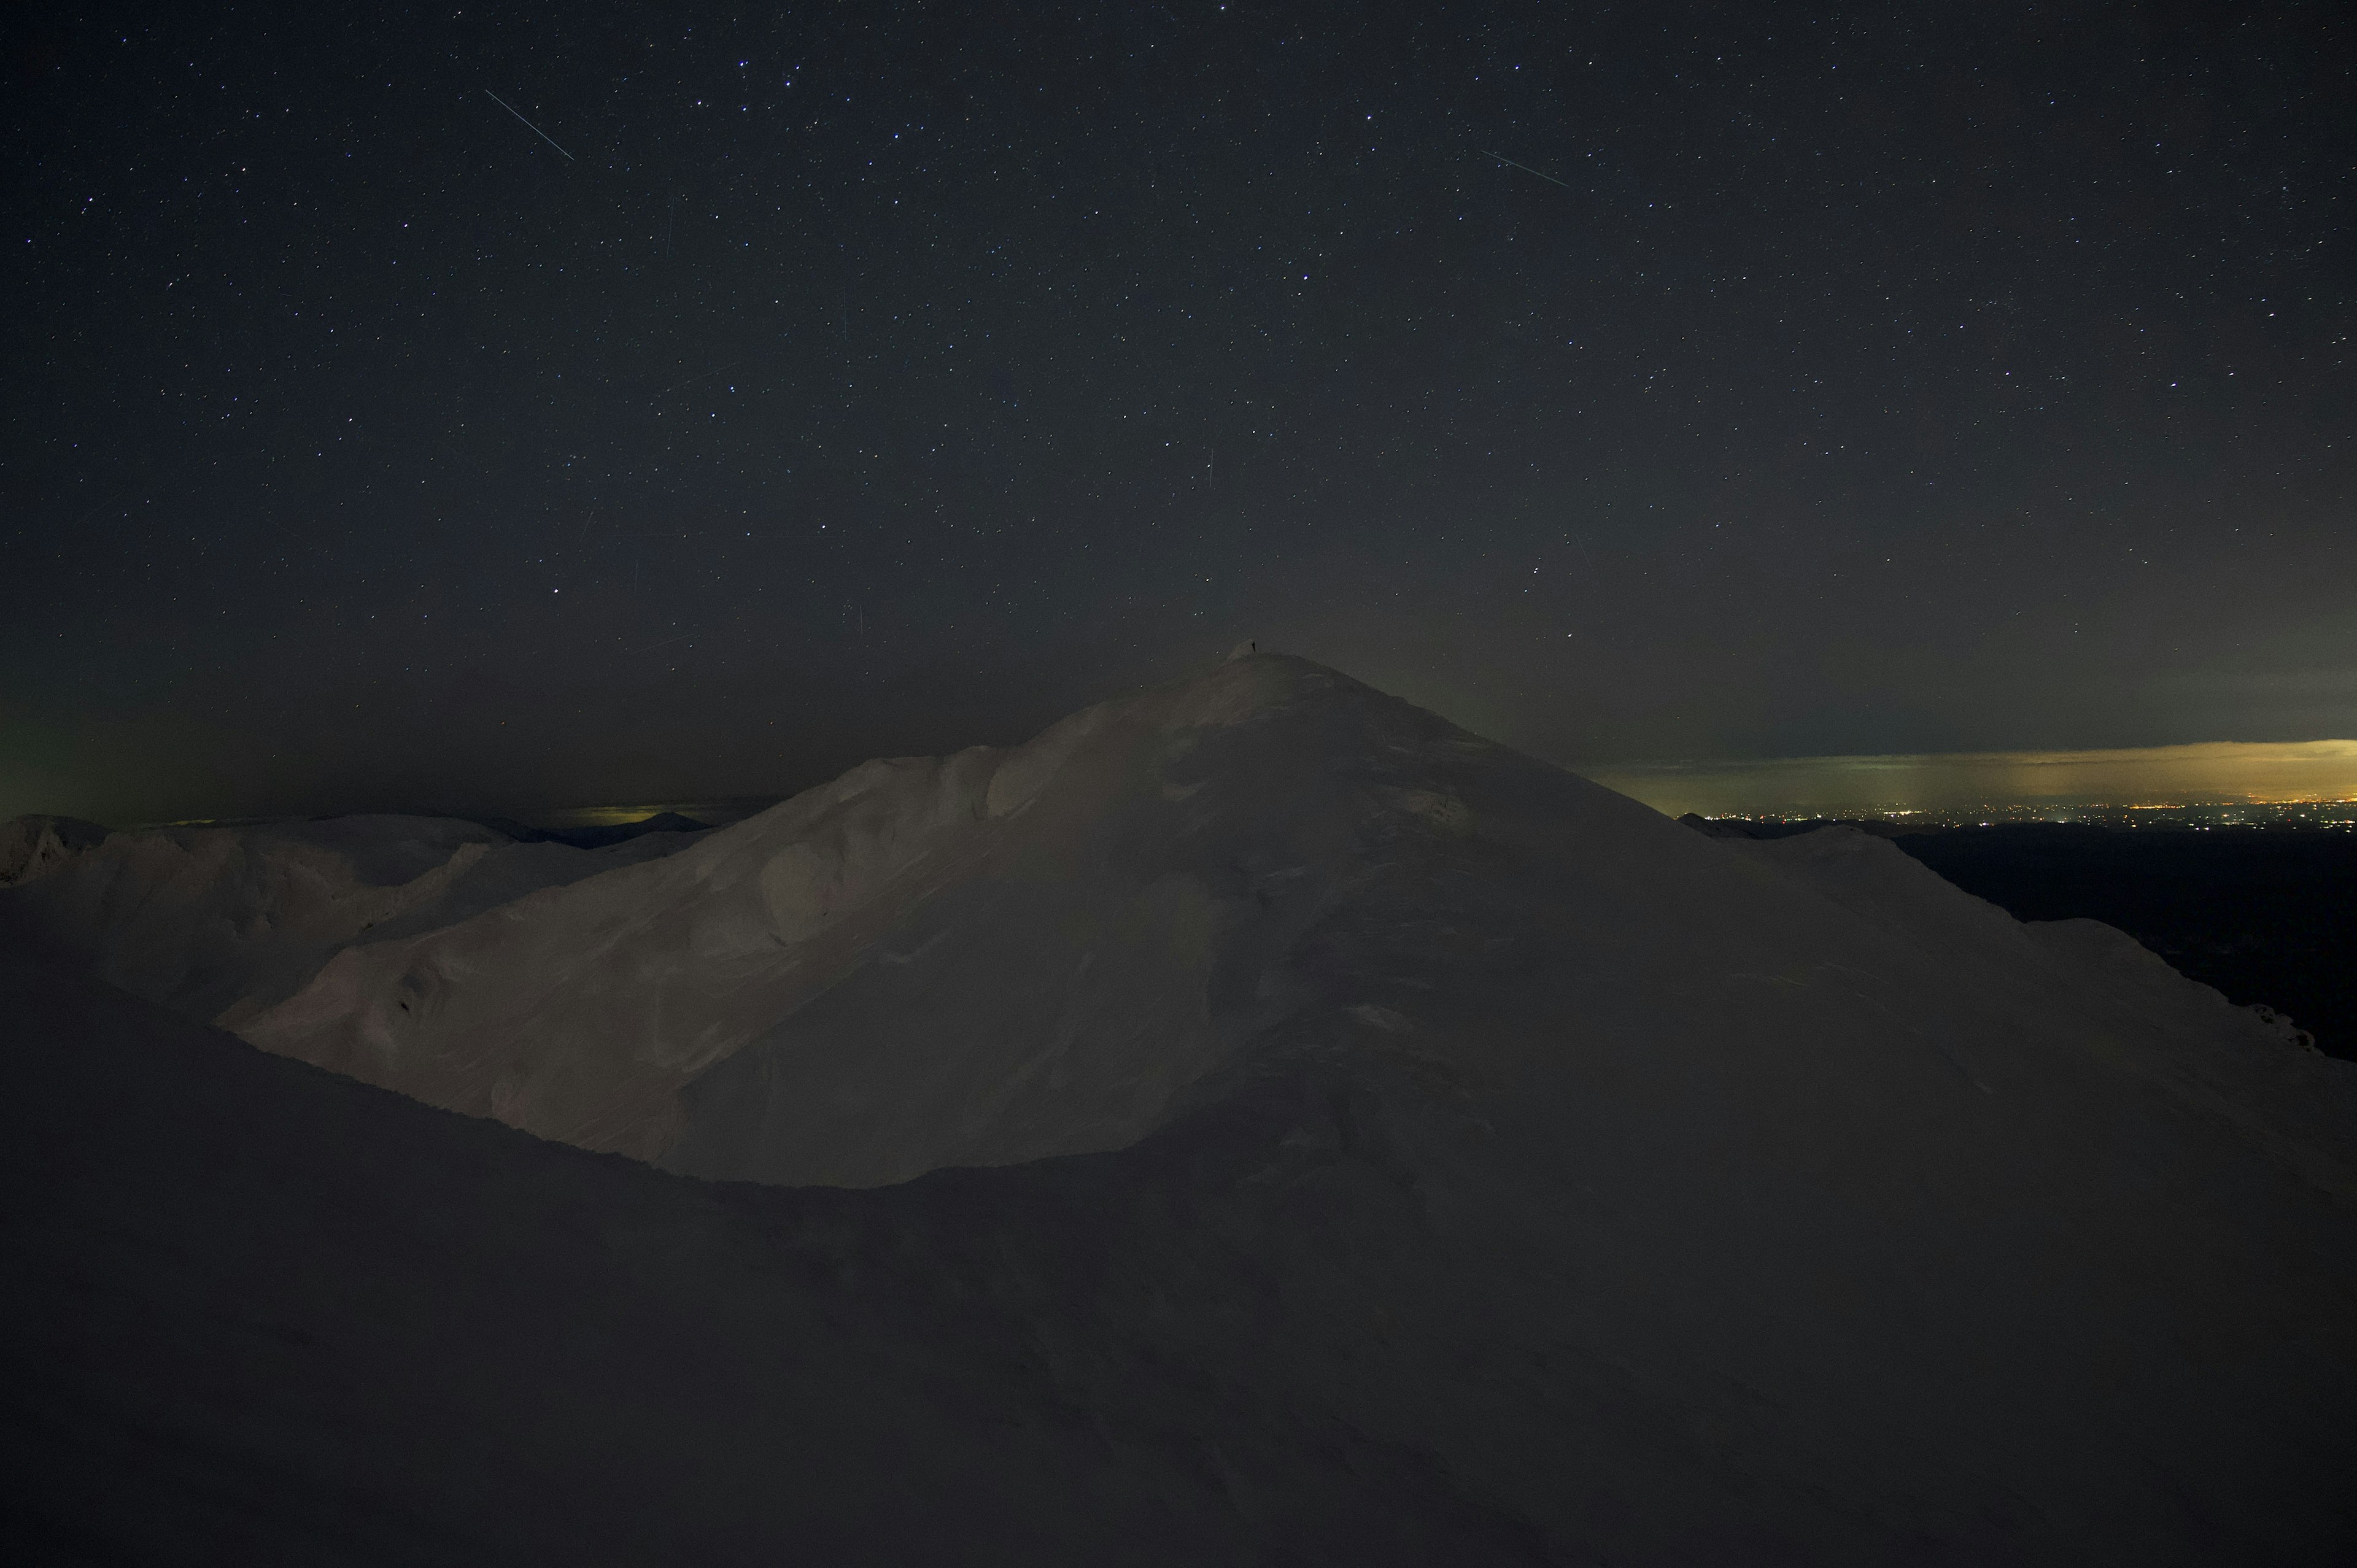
[1525,167]
[544,136]
[693,379]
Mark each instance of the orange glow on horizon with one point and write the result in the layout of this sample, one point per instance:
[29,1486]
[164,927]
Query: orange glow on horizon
[2132,778]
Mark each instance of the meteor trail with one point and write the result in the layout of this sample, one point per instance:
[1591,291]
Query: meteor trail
[1499,156]
[693,379]
[552,141]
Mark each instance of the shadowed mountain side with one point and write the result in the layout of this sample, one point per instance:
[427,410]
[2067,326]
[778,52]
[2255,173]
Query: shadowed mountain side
[2267,914]
[260,1313]
[1445,1291]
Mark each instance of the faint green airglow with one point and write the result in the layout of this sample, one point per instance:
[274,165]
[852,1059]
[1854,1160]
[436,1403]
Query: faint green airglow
[600,816]
[712,813]
[2216,772]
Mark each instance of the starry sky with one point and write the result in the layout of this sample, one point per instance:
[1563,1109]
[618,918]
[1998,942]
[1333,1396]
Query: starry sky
[492,406]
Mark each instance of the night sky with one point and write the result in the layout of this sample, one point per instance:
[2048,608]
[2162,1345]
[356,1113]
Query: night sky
[802,385]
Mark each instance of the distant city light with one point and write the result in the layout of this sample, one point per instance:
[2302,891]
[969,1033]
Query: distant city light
[2221,782]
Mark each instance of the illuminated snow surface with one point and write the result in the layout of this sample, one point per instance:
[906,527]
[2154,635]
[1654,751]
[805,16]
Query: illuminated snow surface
[1256,1121]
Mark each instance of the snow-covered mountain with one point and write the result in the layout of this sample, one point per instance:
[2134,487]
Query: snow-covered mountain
[1342,1117]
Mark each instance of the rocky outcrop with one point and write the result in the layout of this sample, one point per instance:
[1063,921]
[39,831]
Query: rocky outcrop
[35,845]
